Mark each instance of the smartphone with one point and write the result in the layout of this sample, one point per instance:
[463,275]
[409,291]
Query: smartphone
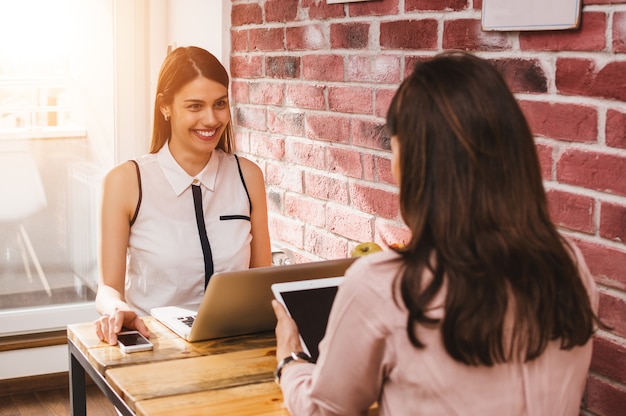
[133,341]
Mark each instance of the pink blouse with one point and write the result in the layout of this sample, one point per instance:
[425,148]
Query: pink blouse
[366,357]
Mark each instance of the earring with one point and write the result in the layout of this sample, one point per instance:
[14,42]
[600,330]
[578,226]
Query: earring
[167,117]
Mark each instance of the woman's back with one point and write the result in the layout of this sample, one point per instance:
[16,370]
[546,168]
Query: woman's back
[369,323]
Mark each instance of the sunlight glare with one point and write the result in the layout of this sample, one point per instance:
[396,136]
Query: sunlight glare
[34,33]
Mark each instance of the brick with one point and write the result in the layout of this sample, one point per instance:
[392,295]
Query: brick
[328,128]
[267,39]
[324,244]
[305,154]
[379,69]
[239,41]
[285,67]
[382,101]
[286,230]
[285,121]
[369,167]
[305,96]
[349,99]
[322,67]
[607,264]
[545,152]
[373,8]
[242,141]
[330,188]
[612,312]
[253,118]
[246,66]
[306,209]
[602,172]
[467,34]
[246,14]
[571,211]
[347,223]
[267,146]
[384,175]
[615,130]
[605,398]
[447,5]
[478,4]
[570,122]
[380,202]
[409,34]
[619,32]
[590,36]
[523,75]
[352,35]
[613,222]
[239,92]
[320,10]
[275,200]
[308,37]
[268,93]
[288,179]
[369,134]
[281,10]
[587,78]
[344,161]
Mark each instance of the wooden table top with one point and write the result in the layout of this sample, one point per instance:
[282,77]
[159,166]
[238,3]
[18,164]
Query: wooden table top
[219,377]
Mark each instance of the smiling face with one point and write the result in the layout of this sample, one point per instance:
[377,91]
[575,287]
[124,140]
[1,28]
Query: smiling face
[199,114]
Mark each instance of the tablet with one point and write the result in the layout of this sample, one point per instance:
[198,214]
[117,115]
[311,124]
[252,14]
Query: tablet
[309,302]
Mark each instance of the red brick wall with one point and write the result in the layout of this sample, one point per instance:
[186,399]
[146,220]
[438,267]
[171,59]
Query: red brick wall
[311,86]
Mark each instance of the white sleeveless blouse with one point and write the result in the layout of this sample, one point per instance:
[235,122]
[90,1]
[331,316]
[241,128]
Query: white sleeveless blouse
[165,262]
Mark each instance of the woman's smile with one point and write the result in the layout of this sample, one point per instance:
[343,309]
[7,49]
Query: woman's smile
[205,134]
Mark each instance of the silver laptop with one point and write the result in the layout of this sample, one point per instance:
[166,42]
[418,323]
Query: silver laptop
[237,303]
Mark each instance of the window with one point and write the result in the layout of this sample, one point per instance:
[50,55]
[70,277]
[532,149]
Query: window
[56,141]
[35,70]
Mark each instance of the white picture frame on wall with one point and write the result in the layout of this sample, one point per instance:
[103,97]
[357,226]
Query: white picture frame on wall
[516,15]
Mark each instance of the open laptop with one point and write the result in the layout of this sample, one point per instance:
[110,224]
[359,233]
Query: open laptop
[309,303]
[237,303]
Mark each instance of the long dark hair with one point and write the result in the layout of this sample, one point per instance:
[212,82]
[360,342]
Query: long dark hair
[180,67]
[472,194]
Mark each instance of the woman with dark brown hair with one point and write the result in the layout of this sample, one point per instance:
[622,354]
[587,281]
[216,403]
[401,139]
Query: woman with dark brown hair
[488,310]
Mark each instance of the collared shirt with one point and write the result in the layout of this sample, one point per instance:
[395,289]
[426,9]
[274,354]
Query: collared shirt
[165,260]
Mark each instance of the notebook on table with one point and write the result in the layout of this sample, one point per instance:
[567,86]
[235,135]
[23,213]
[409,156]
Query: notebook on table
[309,303]
[239,302]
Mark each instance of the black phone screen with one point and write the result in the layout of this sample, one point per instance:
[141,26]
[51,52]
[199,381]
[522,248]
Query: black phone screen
[132,339]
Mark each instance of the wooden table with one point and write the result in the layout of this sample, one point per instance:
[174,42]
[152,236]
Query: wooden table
[219,377]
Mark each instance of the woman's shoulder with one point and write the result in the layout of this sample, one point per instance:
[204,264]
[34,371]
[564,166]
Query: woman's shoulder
[121,173]
[374,272]
[249,169]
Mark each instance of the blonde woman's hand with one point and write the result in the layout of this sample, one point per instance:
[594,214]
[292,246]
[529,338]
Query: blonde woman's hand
[111,324]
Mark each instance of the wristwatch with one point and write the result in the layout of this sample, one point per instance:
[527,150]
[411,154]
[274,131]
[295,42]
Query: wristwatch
[295,356]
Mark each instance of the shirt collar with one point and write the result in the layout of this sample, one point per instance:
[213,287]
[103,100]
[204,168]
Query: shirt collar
[180,180]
